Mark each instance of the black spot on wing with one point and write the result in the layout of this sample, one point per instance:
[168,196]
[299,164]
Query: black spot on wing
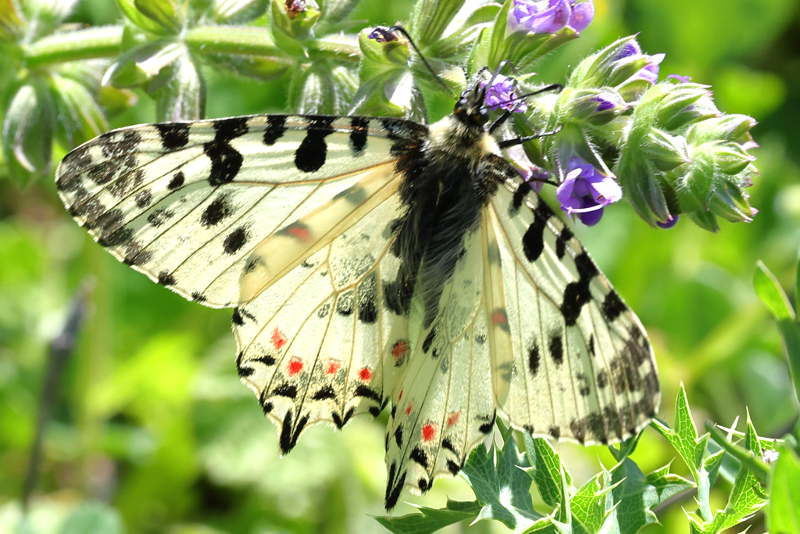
[173,135]
[225,160]
[534,359]
[533,240]
[358,135]
[398,436]
[285,390]
[394,486]
[143,198]
[325,392]
[237,318]
[276,127]
[235,240]
[519,196]
[177,181]
[313,150]
[577,293]
[216,211]
[426,344]
[419,456]
[556,349]
[613,306]
[561,242]
[166,279]
[365,391]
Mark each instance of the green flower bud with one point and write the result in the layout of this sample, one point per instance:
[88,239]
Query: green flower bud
[731,158]
[664,150]
[675,107]
[724,128]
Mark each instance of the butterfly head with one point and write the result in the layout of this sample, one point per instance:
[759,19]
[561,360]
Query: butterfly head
[470,109]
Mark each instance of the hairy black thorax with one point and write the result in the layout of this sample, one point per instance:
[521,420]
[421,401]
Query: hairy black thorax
[447,180]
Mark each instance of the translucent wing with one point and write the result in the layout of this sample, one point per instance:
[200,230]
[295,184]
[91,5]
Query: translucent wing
[319,345]
[200,206]
[579,365]
[443,404]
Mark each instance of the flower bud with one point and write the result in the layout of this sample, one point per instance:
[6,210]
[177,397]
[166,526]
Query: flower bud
[674,105]
[724,128]
[731,158]
[664,150]
[596,106]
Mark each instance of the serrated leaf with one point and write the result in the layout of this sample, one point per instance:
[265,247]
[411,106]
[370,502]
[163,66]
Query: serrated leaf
[430,18]
[238,11]
[431,519]
[500,484]
[592,503]
[183,96]
[684,438]
[547,471]
[28,131]
[92,517]
[635,495]
[783,514]
[771,293]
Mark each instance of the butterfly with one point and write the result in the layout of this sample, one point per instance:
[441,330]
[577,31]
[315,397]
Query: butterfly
[376,263]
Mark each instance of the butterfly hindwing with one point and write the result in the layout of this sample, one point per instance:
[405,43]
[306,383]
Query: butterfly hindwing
[320,343]
[582,366]
[185,203]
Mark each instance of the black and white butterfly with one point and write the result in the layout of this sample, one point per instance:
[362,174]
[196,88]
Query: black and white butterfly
[373,263]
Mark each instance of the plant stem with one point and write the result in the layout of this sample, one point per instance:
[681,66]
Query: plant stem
[104,41]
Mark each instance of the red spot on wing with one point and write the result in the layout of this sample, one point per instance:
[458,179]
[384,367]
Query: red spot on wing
[453,418]
[408,409]
[300,232]
[399,348]
[278,339]
[499,317]
[333,366]
[365,374]
[428,432]
[295,366]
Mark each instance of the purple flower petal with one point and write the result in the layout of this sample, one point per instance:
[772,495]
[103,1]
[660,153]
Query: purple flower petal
[585,191]
[540,16]
[582,15]
[669,223]
[679,78]
[501,94]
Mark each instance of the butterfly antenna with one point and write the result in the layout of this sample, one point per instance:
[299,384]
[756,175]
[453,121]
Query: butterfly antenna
[404,33]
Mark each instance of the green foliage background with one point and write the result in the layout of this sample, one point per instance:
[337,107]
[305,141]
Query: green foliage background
[151,418]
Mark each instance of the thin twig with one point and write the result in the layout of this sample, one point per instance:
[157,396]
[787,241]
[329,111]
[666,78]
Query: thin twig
[61,348]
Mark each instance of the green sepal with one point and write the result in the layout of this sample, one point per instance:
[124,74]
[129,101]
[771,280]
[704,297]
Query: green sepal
[142,64]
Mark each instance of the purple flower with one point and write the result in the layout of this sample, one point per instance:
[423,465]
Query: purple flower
[533,174]
[649,72]
[586,191]
[382,34]
[501,94]
[669,223]
[550,16]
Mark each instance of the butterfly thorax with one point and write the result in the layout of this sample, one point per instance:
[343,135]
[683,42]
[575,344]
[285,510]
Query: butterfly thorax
[446,183]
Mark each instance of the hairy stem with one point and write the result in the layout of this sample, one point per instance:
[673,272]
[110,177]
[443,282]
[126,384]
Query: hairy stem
[103,41]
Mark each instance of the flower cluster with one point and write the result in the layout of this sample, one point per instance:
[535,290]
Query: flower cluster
[501,93]
[550,16]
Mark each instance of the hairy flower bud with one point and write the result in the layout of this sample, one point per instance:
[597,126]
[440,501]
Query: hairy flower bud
[664,150]
[595,106]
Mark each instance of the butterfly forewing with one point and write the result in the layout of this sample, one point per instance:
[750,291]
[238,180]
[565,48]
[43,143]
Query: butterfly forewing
[186,203]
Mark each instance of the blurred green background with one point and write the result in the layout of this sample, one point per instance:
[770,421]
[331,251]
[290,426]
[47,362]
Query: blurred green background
[152,421]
